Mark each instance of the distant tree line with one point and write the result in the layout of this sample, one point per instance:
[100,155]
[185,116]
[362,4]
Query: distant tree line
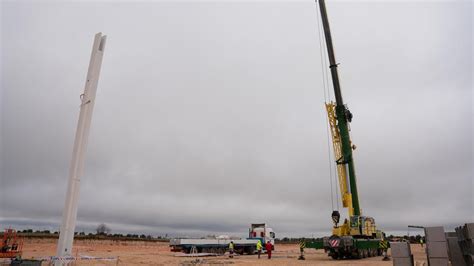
[30,231]
[289,240]
[411,239]
[102,232]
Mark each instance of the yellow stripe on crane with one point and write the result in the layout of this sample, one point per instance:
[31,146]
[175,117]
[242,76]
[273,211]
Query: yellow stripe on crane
[341,169]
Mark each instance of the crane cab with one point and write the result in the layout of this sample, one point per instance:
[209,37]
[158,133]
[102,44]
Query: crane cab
[358,226]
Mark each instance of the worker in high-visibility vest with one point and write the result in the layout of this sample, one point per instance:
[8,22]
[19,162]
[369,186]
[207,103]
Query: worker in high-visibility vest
[231,249]
[259,248]
[302,247]
[383,244]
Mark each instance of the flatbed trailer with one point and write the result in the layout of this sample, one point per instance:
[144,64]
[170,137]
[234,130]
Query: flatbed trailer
[219,246]
[257,232]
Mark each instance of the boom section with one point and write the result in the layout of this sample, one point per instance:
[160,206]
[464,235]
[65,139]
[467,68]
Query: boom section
[342,114]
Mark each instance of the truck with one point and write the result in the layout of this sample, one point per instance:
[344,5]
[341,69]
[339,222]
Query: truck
[358,236]
[219,245]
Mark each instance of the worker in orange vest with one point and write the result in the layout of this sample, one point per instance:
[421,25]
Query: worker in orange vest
[269,248]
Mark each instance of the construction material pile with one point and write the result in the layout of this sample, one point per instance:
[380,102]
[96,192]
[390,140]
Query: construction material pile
[465,236]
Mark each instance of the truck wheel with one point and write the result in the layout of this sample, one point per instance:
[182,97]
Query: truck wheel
[250,251]
[379,252]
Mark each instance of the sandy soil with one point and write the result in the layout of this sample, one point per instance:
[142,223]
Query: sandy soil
[147,253]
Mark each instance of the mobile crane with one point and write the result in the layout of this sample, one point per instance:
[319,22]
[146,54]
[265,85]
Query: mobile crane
[356,237]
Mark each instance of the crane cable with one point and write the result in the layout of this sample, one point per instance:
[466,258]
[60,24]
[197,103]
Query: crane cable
[327,97]
[325,61]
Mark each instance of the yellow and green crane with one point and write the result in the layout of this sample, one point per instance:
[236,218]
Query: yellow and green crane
[357,236]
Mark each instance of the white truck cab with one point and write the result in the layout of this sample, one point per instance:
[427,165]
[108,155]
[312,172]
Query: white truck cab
[262,233]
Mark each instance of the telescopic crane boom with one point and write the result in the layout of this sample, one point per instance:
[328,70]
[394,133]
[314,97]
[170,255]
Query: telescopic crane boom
[356,237]
[343,115]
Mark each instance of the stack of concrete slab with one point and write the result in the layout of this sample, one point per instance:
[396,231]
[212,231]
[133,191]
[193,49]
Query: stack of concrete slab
[465,235]
[436,246]
[401,254]
[454,250]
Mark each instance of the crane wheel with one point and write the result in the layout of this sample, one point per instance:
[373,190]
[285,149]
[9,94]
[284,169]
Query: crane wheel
[379,252]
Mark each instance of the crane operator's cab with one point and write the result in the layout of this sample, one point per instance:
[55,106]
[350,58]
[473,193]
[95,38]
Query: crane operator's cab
[361,226]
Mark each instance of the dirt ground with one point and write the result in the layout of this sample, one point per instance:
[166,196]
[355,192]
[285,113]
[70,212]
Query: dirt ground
[149,253]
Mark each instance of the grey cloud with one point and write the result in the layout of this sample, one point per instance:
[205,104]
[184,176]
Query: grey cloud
[209,116]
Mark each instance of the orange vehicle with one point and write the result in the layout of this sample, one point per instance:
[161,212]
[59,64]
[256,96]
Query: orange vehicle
[11,245]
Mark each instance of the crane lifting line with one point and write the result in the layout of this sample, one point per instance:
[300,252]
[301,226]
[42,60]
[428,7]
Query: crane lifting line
[327,97]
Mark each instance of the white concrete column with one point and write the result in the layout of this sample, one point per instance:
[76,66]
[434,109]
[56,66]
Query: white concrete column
[66,235]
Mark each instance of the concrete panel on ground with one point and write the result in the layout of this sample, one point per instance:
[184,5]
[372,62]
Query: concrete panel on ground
[437,249]
[470,230]
[451,234]
[467,246]
[400,249]
[438,262]
[455,253]
[435,234]
[402,261]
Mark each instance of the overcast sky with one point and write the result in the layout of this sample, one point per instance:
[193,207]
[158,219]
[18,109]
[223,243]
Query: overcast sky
[209,116]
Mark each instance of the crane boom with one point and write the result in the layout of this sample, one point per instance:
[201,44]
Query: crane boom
[342,115]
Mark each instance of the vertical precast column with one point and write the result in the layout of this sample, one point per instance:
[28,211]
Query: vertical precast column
[68,224]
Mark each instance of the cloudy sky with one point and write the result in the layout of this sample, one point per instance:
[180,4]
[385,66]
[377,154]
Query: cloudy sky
[209,116]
